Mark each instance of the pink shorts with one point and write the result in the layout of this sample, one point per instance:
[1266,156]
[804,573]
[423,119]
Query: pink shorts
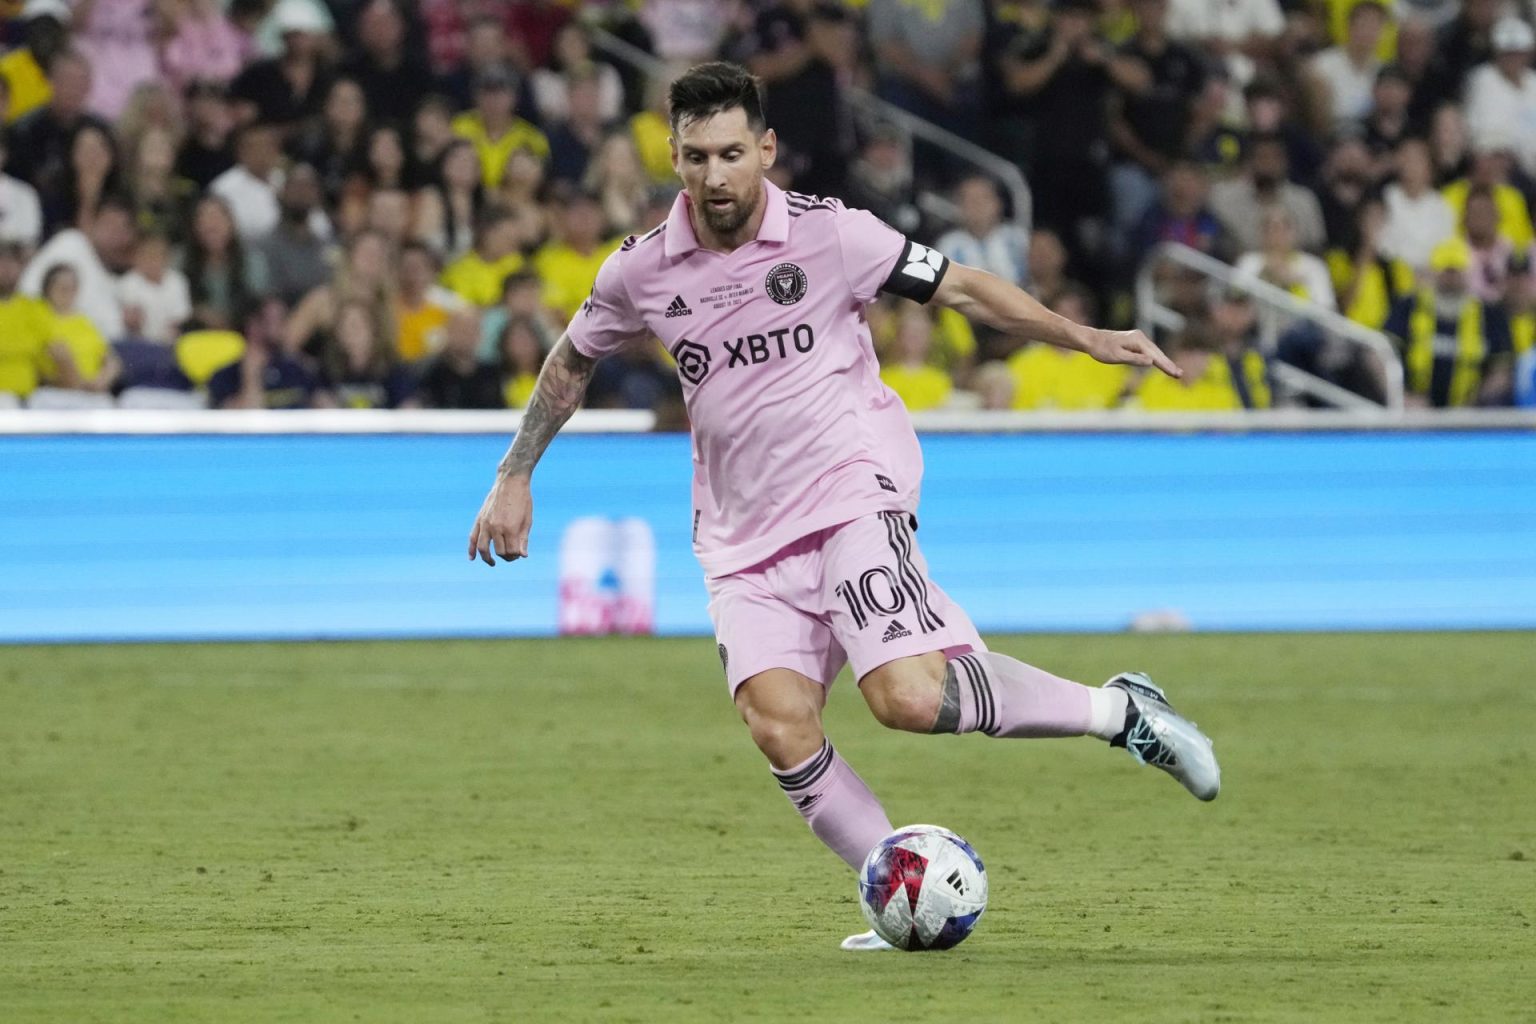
[854,594]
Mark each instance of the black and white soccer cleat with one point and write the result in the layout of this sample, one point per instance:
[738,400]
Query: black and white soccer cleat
[1156,734]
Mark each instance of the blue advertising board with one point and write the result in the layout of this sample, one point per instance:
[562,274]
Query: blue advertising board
[227,537]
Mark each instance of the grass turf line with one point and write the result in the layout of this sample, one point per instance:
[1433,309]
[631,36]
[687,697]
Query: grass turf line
[580,830]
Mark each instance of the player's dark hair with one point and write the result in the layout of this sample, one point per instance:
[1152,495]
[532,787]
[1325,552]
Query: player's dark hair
[709,89]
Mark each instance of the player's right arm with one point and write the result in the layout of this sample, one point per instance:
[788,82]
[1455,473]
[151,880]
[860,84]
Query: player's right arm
[502,526]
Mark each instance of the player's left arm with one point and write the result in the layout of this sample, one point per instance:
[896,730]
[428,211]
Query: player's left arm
[990,300]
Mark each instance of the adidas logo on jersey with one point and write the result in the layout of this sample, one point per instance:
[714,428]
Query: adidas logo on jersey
[678,308]
[895,631]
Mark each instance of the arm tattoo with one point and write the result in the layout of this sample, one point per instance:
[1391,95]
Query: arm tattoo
[561,387]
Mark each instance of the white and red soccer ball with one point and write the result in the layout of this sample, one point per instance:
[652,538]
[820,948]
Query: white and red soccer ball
[923,887]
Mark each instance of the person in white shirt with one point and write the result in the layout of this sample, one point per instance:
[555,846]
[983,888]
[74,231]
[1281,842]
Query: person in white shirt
[98,259]
[156,288]
[250,187]
[1418,216]
[1283,265]
[1501,95]
[983,238]
[1345,75]
[1235,30]
[21,214]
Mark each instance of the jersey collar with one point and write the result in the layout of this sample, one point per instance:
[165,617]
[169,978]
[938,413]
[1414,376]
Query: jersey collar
[680,239]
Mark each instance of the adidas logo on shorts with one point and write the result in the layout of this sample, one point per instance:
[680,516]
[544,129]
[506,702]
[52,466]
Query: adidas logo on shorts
[678,308]
[895,631]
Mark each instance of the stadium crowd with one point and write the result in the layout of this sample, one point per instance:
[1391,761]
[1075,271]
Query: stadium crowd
[399,203]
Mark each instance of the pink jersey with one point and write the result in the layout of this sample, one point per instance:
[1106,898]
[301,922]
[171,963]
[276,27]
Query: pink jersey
[793,431]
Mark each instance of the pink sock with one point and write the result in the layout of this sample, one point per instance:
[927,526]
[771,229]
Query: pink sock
[1001,696]
[837,805]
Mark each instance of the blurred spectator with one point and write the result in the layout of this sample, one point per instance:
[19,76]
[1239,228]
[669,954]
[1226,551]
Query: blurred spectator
[686,30]
[1461,45]
[983,239]
[651,130]
[23,327]
[250,187]
[880,181]
[78,357]
[521,359]
[488,49]
[1489,251]
[423,307]
[568,264]
[581,130]
[205,152]
[26,68]
[1241,202]
[73,191]
[1451,153]
[365,277]
[203,44]
[1416,60]
[266,376]
[1233,325]
[907,371]
[389,211]
[157,289]
[116,36]
[1417,217]
[448,208]
[97,259]
[334,143]
[928,58]
[21,211]
[476,276]
[1207,384]
[357,365]
[1281,263]
[1389,122]
[40,142]
[431,133]
[394,79]
[495,130]
[384,163]
[522,296]
[572,62]
[1367,279]
[1238,32]
[223,276]
[1269,114]
[617,178]
[296,257]
[457,378]
[1347,178]
[1182,215]
[162,200]
[1456,348]
[1344,76]
[1149,119]
[1490,172]
[794,47]
[993,385]
[1501,95]
[1047,265]
[1056,379]
[285,89]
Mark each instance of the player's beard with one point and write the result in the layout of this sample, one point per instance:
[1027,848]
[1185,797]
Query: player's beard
[730,220]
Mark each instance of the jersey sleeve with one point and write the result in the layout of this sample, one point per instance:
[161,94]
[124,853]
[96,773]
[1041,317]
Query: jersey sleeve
[607,320]
[878,258]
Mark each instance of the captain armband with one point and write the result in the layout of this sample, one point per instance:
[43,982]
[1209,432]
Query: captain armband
[917,273]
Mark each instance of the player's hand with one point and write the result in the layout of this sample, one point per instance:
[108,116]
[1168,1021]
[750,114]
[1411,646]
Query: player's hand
[502,526]
[1132,348]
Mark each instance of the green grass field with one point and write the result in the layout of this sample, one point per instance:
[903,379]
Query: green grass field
[581,831]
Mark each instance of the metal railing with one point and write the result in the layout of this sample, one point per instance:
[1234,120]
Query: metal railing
[872,106]
[1278,311]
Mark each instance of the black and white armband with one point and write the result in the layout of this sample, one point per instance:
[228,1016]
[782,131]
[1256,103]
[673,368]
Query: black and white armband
[917,273]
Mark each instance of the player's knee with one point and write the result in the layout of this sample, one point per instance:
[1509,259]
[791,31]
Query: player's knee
[785,726]
[905,695]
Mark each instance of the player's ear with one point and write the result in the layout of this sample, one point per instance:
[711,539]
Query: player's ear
[768,148]
[677,167]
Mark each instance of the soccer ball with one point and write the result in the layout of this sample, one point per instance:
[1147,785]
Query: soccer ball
[923,887]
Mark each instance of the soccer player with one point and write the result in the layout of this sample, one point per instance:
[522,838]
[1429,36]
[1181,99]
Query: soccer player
[807,471]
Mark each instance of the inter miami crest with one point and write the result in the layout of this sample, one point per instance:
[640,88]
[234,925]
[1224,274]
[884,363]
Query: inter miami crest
[786,284]
[692,360]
